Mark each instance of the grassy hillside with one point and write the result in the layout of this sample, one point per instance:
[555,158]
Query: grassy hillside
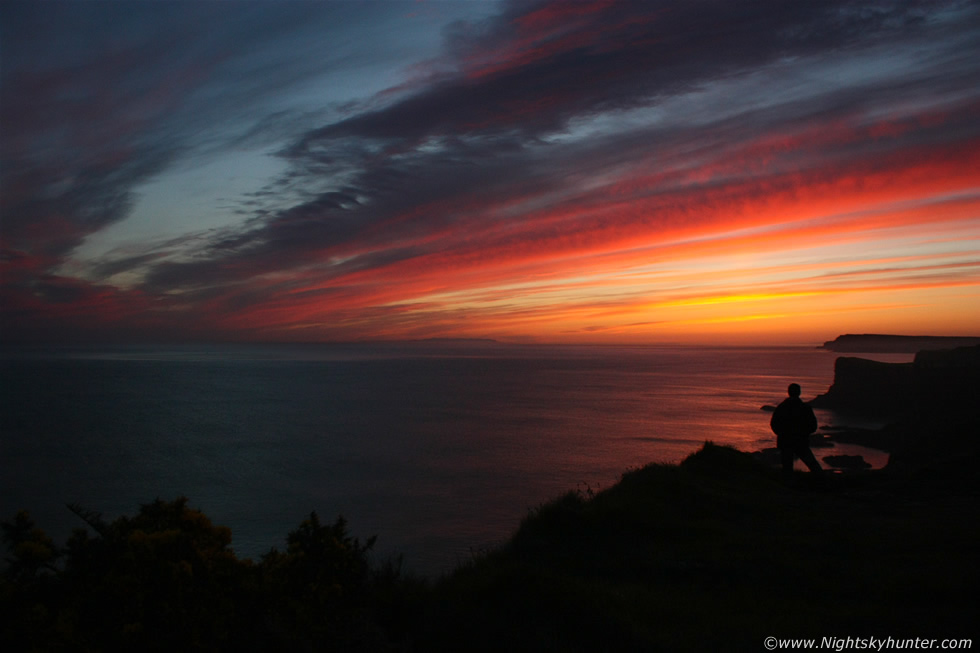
[717,554]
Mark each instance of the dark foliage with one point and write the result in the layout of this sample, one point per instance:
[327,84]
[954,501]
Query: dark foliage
[167,580]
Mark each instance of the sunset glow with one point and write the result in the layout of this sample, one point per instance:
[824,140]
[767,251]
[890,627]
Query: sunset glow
[528,171]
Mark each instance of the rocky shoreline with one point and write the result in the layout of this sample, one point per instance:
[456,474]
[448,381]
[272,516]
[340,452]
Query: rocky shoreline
[929,406]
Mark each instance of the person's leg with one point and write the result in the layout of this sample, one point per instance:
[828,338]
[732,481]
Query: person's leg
[803,451]
[786,454]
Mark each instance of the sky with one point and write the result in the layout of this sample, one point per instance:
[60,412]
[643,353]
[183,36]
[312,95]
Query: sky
[573,172]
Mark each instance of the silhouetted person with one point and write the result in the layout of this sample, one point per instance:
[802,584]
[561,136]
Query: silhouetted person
[793,421]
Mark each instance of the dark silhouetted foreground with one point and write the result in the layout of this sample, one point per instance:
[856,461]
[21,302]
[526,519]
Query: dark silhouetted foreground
[167,580]
[705,555]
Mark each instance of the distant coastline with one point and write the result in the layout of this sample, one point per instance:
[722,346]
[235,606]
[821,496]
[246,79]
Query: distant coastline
[892,344]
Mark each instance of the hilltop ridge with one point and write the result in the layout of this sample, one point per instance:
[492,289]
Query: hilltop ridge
[715,554]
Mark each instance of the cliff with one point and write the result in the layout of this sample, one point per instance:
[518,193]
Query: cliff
[869,388]
[930,405]
[941,382]
[937,385]
[887,344]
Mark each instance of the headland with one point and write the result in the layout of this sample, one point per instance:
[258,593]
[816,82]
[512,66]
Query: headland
[869,343]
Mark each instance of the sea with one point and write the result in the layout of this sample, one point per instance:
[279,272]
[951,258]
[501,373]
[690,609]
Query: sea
[438,448]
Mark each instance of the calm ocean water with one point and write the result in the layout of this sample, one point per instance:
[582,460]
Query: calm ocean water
[438,449]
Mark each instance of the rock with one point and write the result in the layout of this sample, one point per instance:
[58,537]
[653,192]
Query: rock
[819,440]
[841,461]
[883,439]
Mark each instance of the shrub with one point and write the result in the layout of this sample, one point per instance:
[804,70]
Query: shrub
[167,579]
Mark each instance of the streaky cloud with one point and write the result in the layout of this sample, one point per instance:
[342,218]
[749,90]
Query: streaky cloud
[549,145]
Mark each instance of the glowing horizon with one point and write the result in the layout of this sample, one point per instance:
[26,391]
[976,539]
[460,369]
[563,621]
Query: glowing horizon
[526,172]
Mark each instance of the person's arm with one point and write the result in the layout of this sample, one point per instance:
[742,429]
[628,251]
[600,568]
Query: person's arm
[813,422]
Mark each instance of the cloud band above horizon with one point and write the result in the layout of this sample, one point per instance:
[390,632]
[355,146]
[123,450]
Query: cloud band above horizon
[550,171]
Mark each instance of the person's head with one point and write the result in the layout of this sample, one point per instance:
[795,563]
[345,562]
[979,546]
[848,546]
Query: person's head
[794,390]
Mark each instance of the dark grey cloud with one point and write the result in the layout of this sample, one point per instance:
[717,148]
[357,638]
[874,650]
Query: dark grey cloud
[624,56]
[475,137]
